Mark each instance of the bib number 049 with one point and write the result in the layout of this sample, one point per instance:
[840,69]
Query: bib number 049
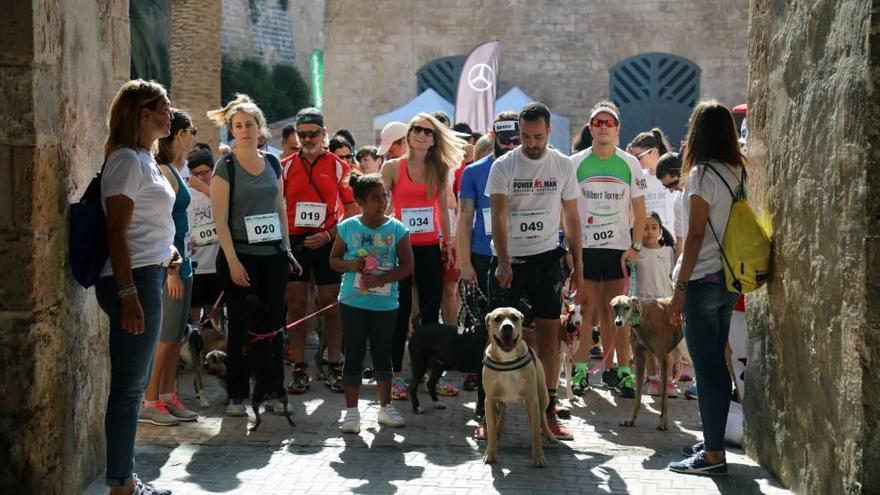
[531,226]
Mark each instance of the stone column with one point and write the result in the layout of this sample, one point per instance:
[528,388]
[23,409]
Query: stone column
[813,380]
[61,63]
[194,53]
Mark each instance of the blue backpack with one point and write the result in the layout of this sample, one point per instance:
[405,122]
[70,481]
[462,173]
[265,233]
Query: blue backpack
[88,235]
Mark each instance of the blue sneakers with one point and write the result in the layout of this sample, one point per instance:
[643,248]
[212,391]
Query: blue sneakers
[693,449]
[697,464]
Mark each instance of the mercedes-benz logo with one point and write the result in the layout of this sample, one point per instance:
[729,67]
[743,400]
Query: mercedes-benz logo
[480,77]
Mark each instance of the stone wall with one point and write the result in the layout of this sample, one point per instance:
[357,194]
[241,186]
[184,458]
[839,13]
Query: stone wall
[557,51]
[194,53]
[262,31]
[813,400]
[61,64]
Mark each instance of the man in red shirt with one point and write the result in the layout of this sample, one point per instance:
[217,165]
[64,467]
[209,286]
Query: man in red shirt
[316,183]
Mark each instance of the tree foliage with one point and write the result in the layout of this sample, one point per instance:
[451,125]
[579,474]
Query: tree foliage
[149,24]
[279,93]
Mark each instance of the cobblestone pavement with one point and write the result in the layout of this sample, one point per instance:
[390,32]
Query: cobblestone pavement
[433,454]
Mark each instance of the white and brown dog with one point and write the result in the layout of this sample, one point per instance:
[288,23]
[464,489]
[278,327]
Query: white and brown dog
[512,372]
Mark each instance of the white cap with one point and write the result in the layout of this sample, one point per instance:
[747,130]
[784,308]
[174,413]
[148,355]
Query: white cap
[607,110]
[390,133]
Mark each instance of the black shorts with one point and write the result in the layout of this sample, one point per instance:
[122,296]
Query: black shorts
[536,289]
[602,264]
[314,262]
[205,291]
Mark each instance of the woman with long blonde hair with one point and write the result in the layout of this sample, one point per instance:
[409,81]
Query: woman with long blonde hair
[419,184]
[250,215]
[140,234]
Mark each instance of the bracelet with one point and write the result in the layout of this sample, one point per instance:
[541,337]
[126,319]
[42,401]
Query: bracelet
[126,290]
[680,286]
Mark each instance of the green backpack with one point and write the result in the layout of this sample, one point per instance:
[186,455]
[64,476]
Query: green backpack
[745,249]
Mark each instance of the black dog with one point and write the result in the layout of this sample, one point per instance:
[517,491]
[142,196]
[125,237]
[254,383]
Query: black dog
[265,354]
[441,347]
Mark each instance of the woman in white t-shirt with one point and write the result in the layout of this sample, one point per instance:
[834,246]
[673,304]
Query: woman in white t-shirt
[714,168]
[140,234]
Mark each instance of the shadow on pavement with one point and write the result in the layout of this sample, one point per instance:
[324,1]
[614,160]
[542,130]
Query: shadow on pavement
[384,464]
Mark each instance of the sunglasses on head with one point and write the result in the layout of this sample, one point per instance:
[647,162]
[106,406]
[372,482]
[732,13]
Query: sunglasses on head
[644,153]
[309,134]
[609,123]
[417,129]
[672,185]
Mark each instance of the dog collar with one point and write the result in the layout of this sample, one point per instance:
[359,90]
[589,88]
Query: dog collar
[516,364]
[636,318]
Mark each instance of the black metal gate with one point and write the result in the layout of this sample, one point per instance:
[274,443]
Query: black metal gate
[655,90]
[441,75]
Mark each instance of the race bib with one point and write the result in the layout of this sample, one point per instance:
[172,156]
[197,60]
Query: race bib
[382,290]
[487,220]
[204,234]
[602,232]
[310,214]
[418,220]
[530,225]
[262,228]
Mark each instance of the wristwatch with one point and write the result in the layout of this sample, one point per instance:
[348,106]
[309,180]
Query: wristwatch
[636,246]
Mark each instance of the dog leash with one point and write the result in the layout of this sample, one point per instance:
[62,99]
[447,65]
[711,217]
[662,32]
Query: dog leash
[470,293]
[256,337]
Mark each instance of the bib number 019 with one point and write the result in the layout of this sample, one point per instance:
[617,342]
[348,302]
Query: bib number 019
[531,226]
[313,216]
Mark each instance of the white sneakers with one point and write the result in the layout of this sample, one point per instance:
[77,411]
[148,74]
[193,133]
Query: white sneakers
[236,408]
[351,421]
[388,416]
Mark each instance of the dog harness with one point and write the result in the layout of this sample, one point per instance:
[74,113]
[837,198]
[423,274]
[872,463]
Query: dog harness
[635,319]
[515,364]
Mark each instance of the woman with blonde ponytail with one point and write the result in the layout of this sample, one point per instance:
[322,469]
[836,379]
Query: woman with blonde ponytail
[251,221]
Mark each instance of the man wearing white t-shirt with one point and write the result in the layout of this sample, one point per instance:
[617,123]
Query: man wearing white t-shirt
[529,188]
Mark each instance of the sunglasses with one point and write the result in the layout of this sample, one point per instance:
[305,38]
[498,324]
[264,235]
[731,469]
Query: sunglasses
[309,134]
[417,129]
[346,157]
[509,139]
[644,153]
[609,123]
[673,185]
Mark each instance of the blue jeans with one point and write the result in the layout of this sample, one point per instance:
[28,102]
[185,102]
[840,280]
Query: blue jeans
[708,307]
[131,360]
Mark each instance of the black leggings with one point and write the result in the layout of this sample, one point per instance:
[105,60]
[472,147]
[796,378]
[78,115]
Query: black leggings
[359,326]
[428,273]
[268,279]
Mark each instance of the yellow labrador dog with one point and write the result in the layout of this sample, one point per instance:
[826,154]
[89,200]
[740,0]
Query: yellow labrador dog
[512,372]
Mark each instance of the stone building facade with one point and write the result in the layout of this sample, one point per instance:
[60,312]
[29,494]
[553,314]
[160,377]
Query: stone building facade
[62,62]
[813,399]
[558,52]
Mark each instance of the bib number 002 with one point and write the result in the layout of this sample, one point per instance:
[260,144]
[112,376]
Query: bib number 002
[603,235]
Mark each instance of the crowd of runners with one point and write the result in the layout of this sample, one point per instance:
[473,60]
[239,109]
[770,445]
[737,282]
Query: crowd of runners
[380,238]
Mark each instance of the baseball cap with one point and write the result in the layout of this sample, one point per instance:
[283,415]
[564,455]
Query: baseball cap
[607,110]
[390,133]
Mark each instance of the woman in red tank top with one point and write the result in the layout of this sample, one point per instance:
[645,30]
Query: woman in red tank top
[418,185]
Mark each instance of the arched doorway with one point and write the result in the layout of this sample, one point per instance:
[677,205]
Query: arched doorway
[655,90]
[441,75]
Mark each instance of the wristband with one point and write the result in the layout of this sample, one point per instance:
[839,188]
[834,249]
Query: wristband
[680,286]
[126,290]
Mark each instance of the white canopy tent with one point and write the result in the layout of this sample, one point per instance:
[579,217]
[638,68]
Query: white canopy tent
[428,101]
[516,98]
[431,101]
